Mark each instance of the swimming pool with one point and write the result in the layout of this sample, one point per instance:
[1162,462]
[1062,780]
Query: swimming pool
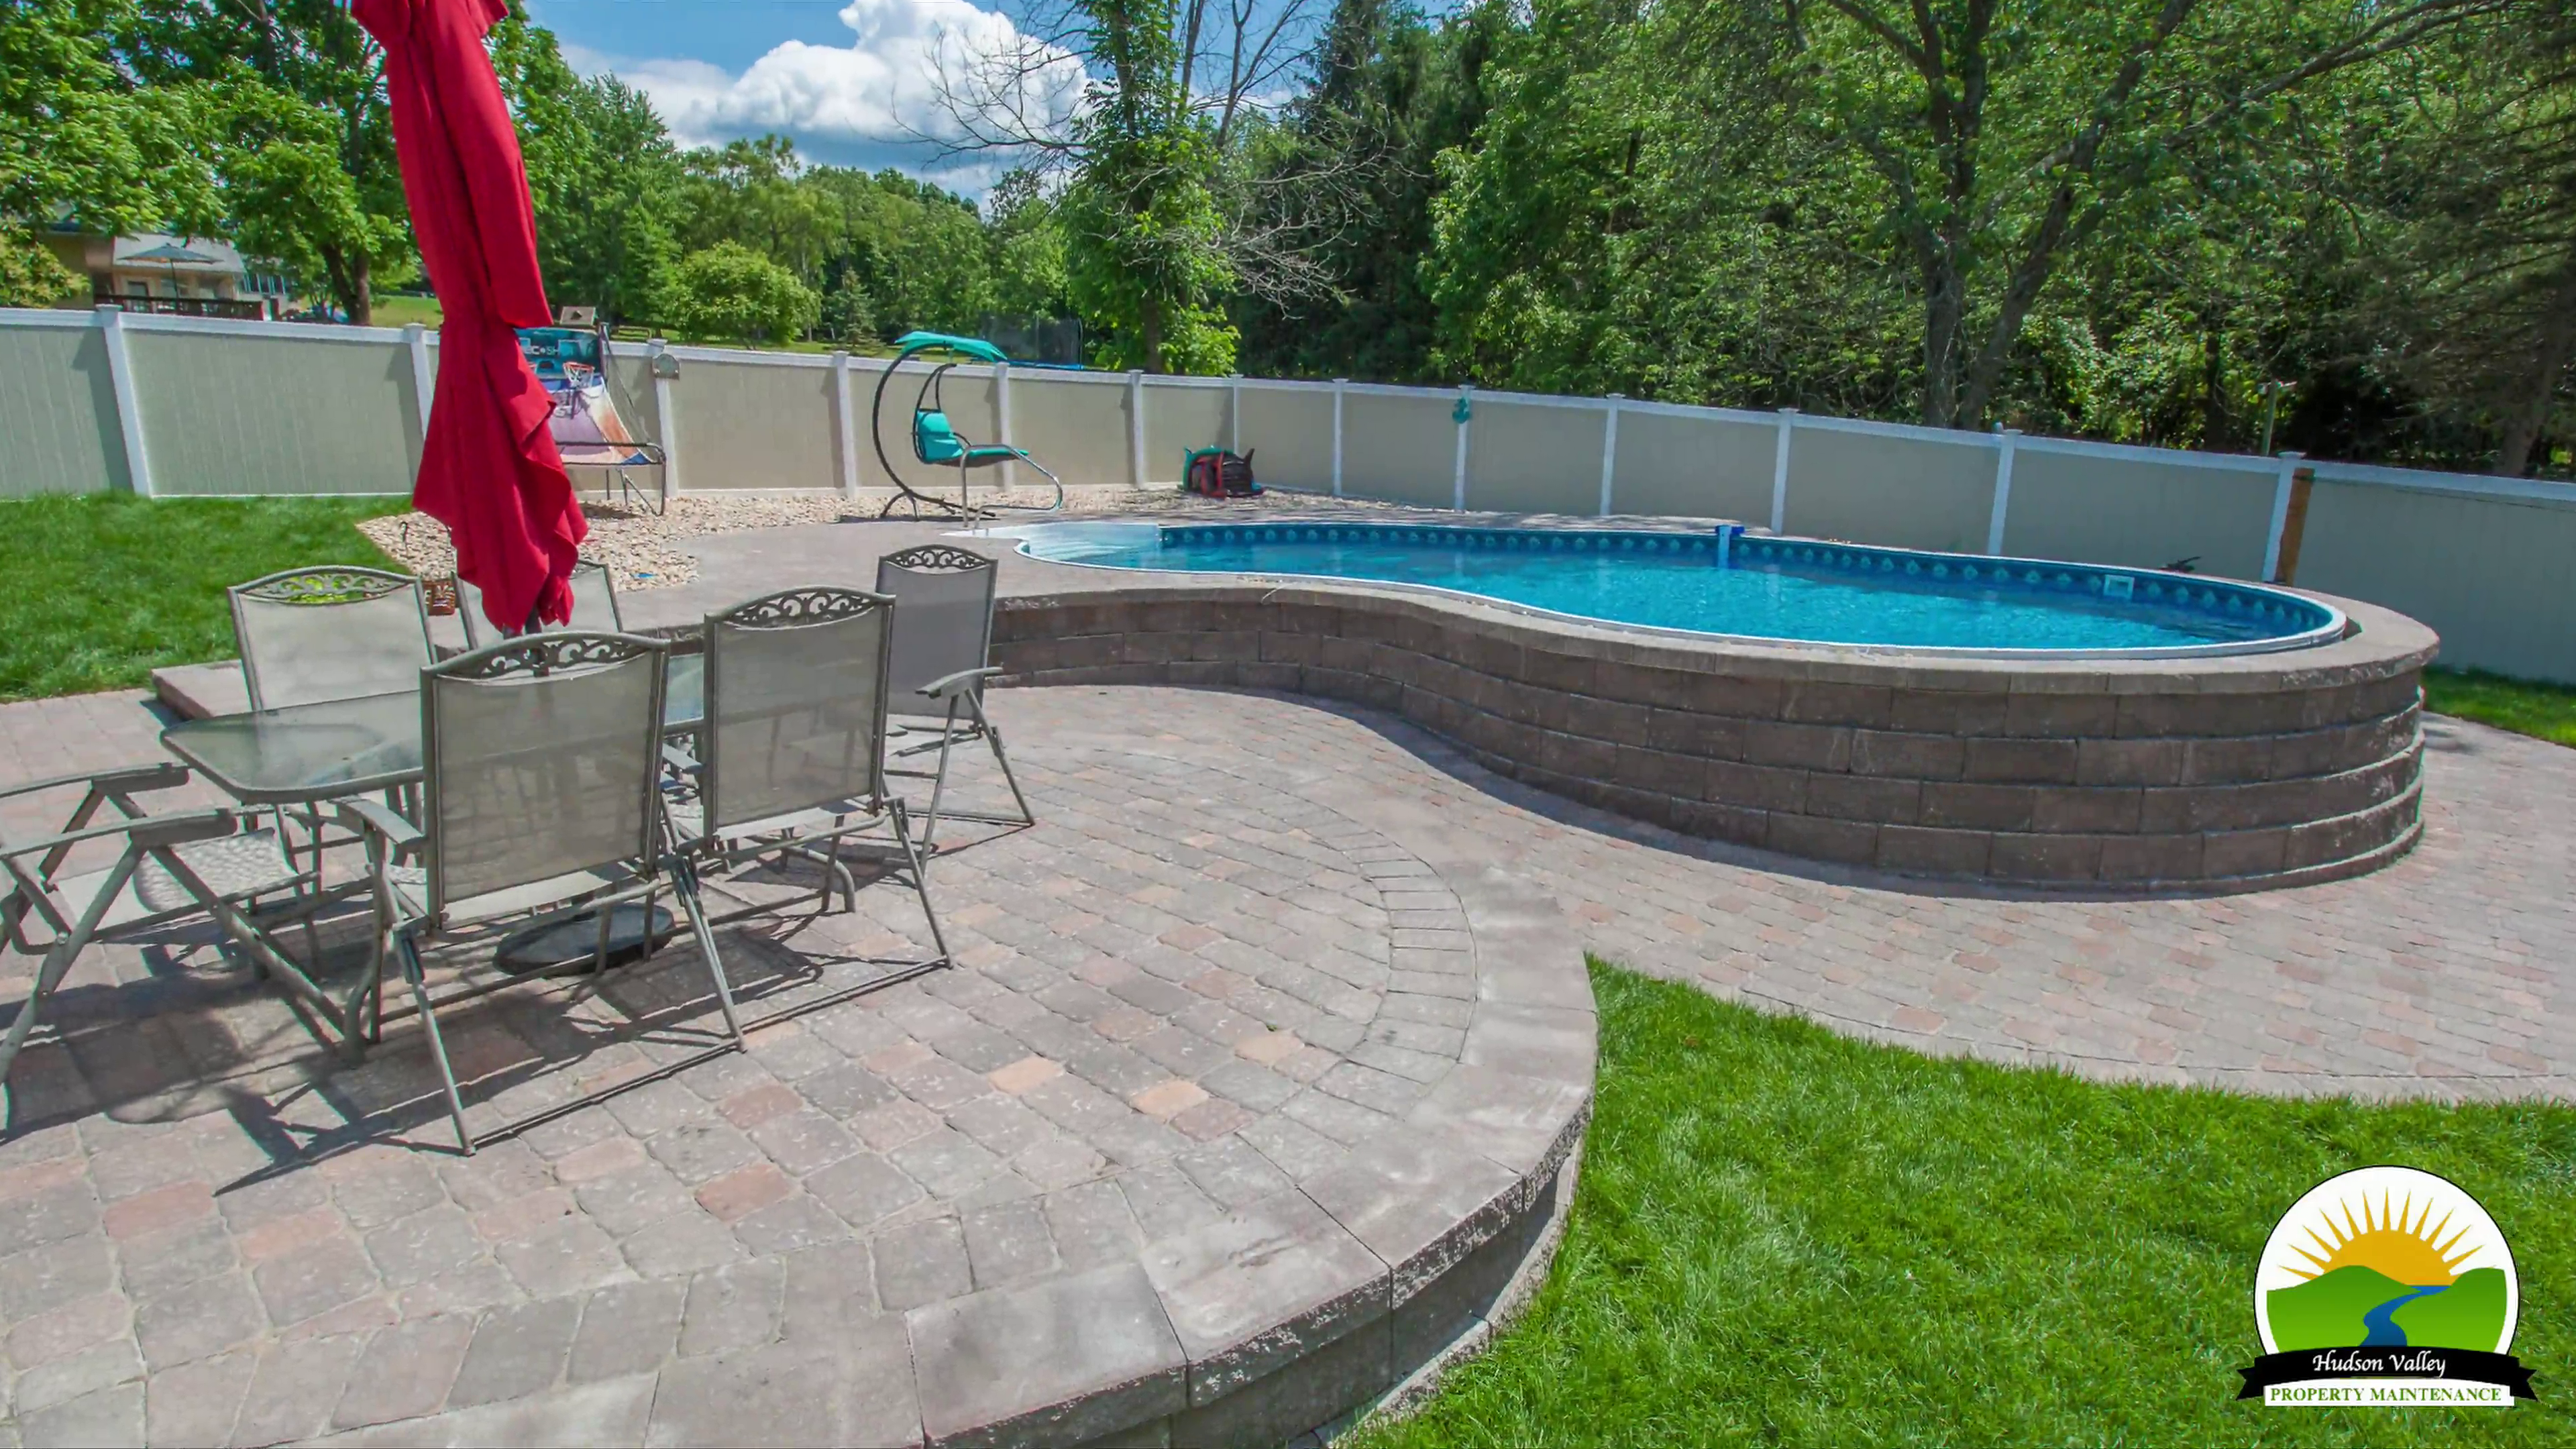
[1796,590]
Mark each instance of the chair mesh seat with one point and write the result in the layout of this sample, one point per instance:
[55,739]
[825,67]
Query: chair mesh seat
[252,863]
[410,883]
[689,819]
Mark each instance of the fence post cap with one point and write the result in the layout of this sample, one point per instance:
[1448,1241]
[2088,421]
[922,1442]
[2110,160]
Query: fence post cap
[2291,455]
[1341,379]
[2003,432]
[1618,396]
[1788,412]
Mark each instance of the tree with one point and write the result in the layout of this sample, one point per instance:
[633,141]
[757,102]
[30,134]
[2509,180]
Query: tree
[292,198]
[306,147]
[1136,102]
[2007,133]
[1028,245]
[1642,211]
[731,291]
[2478,310]
[1347,180]
[916,252]
[750,193]
[602,172]
[80,141]
[1143,263]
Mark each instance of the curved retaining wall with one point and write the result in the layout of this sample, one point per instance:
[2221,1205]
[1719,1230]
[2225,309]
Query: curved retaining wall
[2231,773]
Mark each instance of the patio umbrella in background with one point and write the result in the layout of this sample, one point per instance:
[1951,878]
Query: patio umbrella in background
[171,254]
[488,469]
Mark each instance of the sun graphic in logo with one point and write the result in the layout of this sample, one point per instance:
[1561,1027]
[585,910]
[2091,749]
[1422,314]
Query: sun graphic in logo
[2388,1242]
[2386,1257]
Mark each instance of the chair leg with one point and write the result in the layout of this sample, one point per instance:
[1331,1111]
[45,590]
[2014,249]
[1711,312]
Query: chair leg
[410,952]
[939,781]
[58,960]
[920,877]
[367,999]
[993,737]
[684,890]
[840,873]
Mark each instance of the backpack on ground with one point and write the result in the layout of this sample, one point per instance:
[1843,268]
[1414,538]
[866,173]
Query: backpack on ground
[1216,473]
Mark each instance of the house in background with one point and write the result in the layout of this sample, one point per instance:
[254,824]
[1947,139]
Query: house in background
[153,272]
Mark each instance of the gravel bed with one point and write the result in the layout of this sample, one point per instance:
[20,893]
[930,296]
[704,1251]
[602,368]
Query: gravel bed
[648,551]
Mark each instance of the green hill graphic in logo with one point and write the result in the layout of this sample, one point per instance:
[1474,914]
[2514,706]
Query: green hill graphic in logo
[2386,1285]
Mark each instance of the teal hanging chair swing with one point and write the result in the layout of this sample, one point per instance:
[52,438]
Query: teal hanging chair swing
[936,443]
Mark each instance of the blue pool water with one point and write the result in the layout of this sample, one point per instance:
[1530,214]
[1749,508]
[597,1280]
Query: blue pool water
[1762,588]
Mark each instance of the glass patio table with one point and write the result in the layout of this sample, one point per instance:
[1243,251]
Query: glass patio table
[308,753]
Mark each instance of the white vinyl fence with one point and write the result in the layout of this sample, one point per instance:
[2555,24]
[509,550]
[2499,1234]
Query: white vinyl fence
[194,407]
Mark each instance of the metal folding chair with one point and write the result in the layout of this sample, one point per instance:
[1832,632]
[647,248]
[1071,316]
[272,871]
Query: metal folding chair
[594,606]
[312,635]
[791,756]
[168,866]
[542,799]
[943,641]
[316,634]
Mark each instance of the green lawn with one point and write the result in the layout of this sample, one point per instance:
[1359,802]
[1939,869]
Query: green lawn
[1786,1237]
[2543,711]
[104,588]
[400,311]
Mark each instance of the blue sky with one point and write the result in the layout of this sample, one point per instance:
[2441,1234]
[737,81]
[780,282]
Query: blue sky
[726,33]
[851,81]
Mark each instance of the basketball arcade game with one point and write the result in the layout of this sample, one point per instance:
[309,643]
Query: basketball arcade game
[589,423]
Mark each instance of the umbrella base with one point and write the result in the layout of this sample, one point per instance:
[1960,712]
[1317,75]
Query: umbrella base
[571,947]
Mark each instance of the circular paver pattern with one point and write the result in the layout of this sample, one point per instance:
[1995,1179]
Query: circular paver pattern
[2450,974]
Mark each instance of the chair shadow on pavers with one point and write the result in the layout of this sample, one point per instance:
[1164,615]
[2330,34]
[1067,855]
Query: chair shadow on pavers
[198,1034]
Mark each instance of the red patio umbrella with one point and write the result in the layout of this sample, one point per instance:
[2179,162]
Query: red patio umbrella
[488,469]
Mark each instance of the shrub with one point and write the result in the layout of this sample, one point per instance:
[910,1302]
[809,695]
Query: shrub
[731,291]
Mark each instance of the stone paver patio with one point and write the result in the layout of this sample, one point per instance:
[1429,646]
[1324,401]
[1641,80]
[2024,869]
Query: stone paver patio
[1210,1056]
[1214,971]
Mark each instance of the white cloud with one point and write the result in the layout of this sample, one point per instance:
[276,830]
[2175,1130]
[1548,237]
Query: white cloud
[879,96]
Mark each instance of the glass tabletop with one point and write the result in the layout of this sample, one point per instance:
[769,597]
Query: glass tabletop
[310,752]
